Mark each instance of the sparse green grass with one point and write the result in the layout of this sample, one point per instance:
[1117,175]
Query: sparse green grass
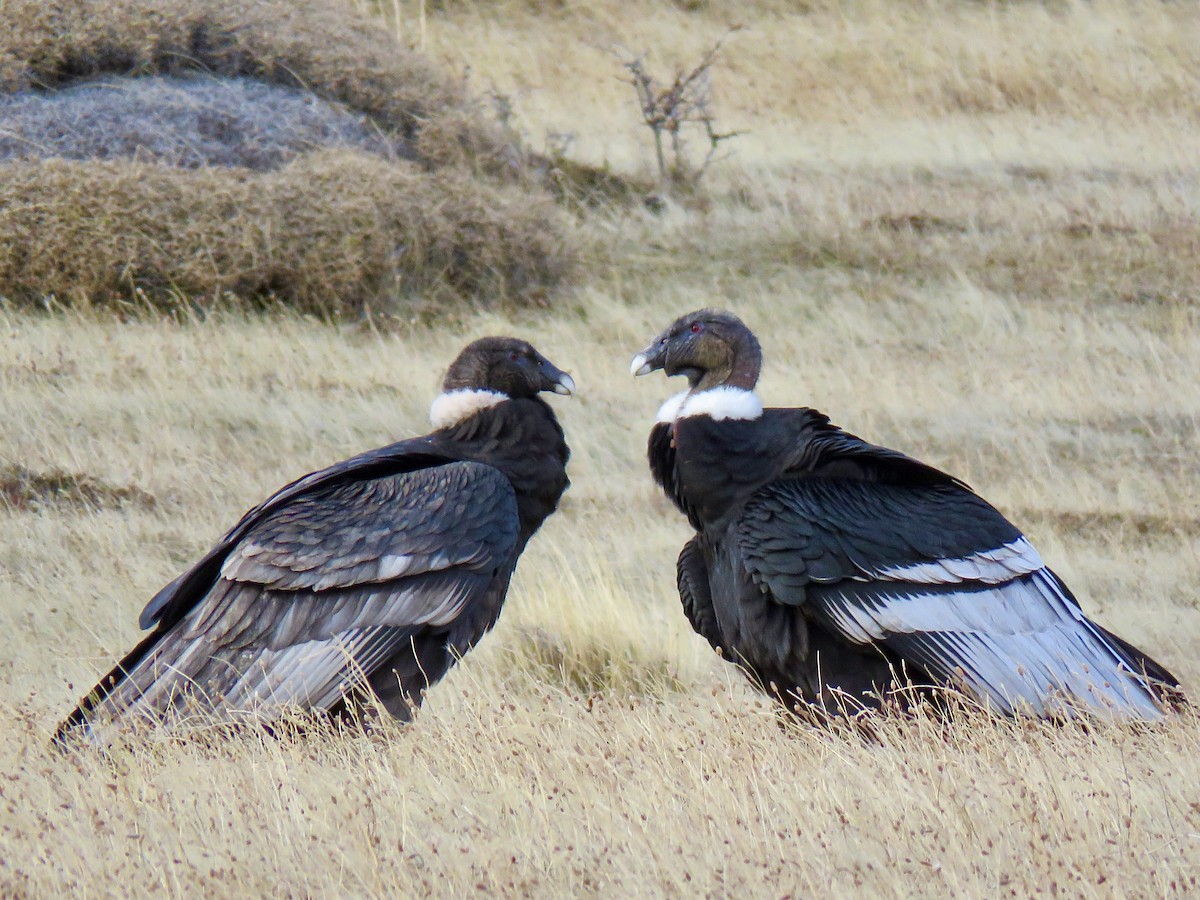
[1010,294]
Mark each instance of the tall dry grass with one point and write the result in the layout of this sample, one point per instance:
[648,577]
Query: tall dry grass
[1013,301]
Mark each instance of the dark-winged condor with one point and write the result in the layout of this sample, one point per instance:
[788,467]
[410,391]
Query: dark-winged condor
[841,574]
[367,579]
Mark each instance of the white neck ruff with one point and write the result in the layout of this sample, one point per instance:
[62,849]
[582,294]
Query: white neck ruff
[718,403]
[452,407]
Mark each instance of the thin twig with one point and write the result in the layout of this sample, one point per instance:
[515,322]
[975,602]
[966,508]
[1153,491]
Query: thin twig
[669,110]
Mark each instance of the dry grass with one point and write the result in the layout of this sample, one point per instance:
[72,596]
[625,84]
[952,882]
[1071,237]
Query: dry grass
[333,232]
[321,47]
[990,301]
[947,82]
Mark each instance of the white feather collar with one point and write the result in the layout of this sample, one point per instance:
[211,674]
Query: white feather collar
[718,403]
[452,407]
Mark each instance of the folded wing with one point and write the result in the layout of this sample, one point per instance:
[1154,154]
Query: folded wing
[937,577]
[329,587]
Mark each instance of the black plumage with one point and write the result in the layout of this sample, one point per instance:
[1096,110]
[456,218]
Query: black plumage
[840,574]
[365,579]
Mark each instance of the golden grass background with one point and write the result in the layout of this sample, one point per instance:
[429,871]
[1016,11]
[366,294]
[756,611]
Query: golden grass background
[964,230]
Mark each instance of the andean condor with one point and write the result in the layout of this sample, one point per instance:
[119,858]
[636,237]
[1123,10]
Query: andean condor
[365,579]
[839,573]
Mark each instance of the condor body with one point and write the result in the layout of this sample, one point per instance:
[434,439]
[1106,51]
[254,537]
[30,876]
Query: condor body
[365,579]
[842,574]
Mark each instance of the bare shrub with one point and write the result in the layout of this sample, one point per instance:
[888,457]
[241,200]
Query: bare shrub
[671,110]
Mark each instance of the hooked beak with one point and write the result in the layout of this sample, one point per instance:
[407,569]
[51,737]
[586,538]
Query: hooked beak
[648,360]
[555,379]
[565,384]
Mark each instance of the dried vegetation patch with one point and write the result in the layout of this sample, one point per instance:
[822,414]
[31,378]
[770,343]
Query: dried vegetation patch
[22,489]
[1113,237]
[330,233]
[433,202]
[561,794]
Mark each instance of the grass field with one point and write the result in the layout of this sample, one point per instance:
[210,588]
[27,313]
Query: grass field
[964,230]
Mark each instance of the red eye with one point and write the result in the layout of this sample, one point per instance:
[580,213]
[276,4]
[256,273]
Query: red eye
[697,328]
[514,356]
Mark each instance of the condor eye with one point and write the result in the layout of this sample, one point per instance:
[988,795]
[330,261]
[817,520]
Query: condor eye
[697,328]
[514,356]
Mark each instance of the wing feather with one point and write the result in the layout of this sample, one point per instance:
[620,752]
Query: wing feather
[934,574]
[178,597]
[695,592]
[324,590]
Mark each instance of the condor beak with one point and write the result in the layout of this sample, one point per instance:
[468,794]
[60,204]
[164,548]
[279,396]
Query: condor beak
[554,378]
[648,360]
[565,384]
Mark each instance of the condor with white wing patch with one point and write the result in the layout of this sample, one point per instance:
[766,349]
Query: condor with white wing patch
[836,570]
[934,576]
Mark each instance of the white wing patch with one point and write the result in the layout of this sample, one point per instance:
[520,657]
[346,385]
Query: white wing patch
[718,403]
[1014,608]
[990,567]
[1022,646]
[452,407]
[396,564]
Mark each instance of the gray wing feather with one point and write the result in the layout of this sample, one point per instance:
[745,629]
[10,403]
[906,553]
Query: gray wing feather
[985,614]
[349,535]
[1023,645]
[328,588]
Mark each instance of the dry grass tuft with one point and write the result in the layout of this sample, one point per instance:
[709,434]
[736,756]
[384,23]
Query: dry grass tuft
[331,233]
[587,633]
[22,489]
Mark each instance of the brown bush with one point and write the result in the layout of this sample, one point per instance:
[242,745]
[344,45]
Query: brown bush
[320,45]
[332,231]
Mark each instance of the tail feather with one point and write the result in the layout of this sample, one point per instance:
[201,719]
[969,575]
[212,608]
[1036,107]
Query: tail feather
[1163,684]
[108,685]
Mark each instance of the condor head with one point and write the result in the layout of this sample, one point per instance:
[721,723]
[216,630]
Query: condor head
[507,366]
[490,371]
[709,347]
